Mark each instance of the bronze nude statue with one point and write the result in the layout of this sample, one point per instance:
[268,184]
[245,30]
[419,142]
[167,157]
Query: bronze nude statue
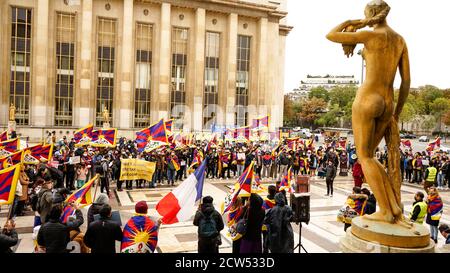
[374,114]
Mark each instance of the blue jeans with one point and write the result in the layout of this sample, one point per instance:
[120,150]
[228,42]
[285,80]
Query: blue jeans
[170,176]
[434,232]
[440,180]
[240,169]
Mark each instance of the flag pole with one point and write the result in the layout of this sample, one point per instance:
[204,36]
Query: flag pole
[96,187]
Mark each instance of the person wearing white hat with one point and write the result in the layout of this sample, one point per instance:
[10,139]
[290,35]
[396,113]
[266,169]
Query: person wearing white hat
[357,172]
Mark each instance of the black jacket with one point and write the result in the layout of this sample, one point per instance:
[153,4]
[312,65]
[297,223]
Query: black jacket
[101,236]
[93,210]
[208,209]
[54,236]
[280,235]
[7,241]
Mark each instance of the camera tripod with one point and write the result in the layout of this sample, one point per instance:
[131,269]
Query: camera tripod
[299,245]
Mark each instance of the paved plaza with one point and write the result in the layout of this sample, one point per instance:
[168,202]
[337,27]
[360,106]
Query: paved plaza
[321,235]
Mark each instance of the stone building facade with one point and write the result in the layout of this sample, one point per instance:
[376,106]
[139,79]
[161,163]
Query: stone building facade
[201,62]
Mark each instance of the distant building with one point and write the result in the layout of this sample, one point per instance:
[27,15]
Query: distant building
[328,82]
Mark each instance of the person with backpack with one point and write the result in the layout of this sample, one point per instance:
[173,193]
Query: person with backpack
[210,223]
[280,236]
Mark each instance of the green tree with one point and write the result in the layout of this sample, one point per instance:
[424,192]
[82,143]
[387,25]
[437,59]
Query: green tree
[438,107]
[429,94]
[288,111]
[408,113]
[319,92]
[330,119]
[311,110]
[342,95]
[429,123]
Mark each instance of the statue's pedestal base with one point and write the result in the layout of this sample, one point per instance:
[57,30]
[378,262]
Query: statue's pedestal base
[106,125]
[366,236]
[11,126]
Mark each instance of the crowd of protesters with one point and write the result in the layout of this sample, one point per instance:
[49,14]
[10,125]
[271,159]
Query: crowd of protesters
[44,185]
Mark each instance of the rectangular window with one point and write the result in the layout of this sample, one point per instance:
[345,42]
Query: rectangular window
[143,75]
[211,91]
[65,73]
[178,78]
[242,79]
[106,42]
[20,82]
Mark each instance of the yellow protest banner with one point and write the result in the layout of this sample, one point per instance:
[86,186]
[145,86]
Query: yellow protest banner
[133,169]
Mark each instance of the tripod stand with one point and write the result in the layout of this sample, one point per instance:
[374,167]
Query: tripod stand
[299,245]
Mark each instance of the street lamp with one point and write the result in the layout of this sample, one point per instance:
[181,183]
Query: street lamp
[362,65]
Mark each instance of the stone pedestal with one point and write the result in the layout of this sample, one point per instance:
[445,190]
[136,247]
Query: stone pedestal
[106,125]
[11,125]
[366,236]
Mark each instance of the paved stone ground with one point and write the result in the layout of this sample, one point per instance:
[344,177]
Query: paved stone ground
[321,235]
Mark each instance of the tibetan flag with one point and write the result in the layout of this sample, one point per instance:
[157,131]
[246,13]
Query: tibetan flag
[176,165]
[245,184]
[83,136]
[257,187]
[179,205]
[234,215]
[67,212]
[168,125]
[242,134]
[152,137]
[104,138]
[8,183]
[4,136]
[83,195]
[32,155]
[140,235]
[406,143]
[286,181]
[8,147]
[46,152]
[260,123]
[11,160]
[211,143]
[268,203]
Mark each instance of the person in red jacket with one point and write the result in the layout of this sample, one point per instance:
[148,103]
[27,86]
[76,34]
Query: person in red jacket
[357,171]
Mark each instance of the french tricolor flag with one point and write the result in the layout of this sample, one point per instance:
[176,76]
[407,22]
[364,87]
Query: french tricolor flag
[179,205]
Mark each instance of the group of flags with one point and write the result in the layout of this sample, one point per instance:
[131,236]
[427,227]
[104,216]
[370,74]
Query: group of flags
[95,138]
[11,160]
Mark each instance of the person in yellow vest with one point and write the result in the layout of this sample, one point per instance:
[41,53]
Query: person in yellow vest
[419,210]
[430,176]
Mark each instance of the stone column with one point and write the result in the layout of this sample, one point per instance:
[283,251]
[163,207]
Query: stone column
[258,99]
[126,94]
[40,89]
[164,62]
[4,99]
[230,72]
[199,68]
[85,112]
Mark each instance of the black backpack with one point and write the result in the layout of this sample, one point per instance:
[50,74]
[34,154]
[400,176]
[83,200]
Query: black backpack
[207,227]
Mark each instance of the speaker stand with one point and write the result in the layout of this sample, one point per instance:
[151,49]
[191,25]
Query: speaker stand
[299,245]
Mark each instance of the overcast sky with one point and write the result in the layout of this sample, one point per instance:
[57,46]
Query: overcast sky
[425,25]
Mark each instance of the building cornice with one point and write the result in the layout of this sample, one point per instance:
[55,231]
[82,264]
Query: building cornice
[285,30]
[227,6]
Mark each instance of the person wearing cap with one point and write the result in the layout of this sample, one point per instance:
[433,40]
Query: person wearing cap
[142,241]
[445,232]
[45,199]
[205,218]
[102,234]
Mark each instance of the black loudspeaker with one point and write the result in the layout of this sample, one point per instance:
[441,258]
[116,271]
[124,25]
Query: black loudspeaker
[300,203]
